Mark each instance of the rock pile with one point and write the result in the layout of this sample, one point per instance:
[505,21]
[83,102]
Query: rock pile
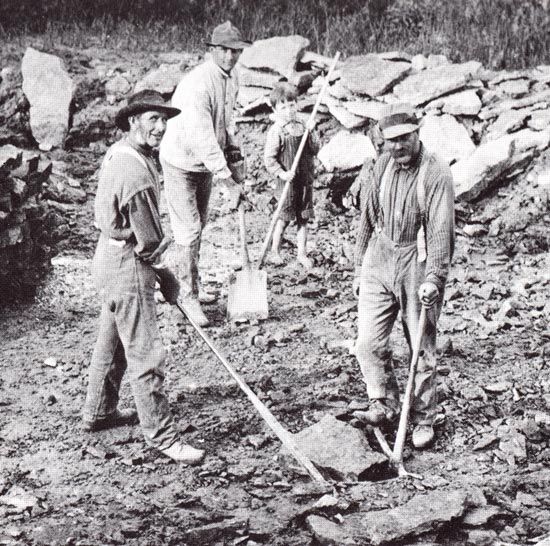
[24,239]
[487,125]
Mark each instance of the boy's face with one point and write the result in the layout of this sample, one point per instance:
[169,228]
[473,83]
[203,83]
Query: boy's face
[286,110]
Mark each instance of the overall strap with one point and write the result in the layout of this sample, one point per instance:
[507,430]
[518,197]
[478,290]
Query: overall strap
[421,242]
[382,191]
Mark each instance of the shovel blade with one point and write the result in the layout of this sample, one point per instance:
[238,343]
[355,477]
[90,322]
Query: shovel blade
[247,297]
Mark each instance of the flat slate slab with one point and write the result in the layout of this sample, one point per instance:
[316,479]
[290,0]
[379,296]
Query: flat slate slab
[279,54]
[365,108]
[476,173]
[339,110]
[339,448]
[49,90]
[446,137]
[256,78]
[163,79]
[422,514]
[346,151]
[464,103]
[370,75]
[432,83]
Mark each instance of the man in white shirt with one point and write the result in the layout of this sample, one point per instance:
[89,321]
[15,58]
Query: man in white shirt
[193,152]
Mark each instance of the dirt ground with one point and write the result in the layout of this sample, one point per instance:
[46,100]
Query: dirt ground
[109,488]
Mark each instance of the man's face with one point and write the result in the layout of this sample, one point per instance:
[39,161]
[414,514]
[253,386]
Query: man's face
[404,148]
[286,110]
[225,57]
[147,129]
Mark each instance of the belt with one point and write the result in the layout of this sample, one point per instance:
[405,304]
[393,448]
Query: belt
[120,243]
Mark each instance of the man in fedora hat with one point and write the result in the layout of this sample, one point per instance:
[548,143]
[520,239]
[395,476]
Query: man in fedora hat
[193,151]
[126,266]
[403,252]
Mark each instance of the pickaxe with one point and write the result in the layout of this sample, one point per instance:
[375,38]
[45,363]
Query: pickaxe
[396,456]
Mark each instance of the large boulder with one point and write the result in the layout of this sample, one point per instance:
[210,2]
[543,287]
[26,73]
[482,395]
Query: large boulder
[346,151]
[49,90]
[279,54]
[430,84]
[370,75]
[446,137]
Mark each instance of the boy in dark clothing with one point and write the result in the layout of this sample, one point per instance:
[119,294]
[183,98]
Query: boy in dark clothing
[282,142]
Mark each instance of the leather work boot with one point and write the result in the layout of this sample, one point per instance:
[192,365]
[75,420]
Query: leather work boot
[423,436]
[378,414]
[206,297]
[193,309]
[120,418]
[183,453]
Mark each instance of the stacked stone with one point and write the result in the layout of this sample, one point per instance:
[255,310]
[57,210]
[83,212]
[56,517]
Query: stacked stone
[487,125]
[24,249]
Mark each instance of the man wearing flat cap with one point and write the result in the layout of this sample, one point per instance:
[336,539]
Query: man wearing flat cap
[194,151]
[126,265]
[403,252]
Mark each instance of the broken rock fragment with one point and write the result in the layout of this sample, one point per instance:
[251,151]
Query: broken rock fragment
[49,90]
[338,448]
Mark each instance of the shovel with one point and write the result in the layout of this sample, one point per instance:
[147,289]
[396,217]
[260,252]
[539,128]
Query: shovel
[396,456]
[283,434]
[247,296]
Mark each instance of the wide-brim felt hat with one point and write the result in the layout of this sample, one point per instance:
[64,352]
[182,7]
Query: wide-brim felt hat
[228,35]
[397,120]
[143,101]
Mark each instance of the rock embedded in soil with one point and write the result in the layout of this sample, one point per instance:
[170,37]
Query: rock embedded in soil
[422,514]
[327,532]
[49,90]
[338,448]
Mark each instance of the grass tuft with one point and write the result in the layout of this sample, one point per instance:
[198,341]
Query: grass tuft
[499,33]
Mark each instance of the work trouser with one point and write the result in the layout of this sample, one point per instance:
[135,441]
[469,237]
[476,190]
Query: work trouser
[128,339]
[187,195]
[390,278]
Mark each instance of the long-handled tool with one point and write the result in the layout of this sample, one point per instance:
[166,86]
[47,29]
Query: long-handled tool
[283,435]
[295,163]
[396,456]
[247,296]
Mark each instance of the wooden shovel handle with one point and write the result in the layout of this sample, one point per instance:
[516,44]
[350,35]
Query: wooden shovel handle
[242,232]
[409,391]
[283,435]
[294,167]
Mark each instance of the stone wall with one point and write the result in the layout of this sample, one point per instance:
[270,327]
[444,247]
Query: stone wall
[25,224]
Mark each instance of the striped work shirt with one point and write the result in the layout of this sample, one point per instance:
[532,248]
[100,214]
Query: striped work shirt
[400,216]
